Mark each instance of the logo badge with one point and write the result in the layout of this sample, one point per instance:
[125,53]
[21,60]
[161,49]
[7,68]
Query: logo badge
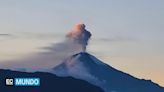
[9,82]
[23,82]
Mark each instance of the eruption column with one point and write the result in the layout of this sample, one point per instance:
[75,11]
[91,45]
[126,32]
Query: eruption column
[80,35]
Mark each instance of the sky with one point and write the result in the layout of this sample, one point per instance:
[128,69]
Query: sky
[127,34]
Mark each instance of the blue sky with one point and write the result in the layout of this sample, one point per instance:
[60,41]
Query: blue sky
[127,34]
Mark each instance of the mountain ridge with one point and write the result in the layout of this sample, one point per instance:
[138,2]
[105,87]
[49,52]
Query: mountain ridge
[49,83]
[87,67]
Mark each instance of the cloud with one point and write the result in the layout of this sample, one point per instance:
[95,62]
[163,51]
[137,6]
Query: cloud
[5,35]
[36,35]
[118,39]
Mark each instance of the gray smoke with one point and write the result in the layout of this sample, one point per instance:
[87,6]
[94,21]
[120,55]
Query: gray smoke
[80,36]
[75,42]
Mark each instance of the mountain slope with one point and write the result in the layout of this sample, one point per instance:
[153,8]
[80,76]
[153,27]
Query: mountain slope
[87,67]
[49,83]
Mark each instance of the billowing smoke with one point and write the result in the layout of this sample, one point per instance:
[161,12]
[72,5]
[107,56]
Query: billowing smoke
[80,35]
[75,42]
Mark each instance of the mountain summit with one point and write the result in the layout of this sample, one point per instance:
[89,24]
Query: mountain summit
[87,67]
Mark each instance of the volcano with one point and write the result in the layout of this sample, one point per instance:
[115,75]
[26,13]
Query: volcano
[87,67]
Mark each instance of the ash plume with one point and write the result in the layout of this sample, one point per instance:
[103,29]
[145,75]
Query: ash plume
[80,36]
[76,41]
